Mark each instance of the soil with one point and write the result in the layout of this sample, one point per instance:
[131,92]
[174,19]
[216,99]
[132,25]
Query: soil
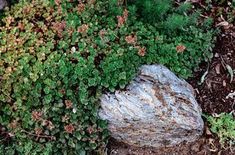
[212,95]
[208,144]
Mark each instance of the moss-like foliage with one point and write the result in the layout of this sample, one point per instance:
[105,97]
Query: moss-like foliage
[223,126]
[57,57]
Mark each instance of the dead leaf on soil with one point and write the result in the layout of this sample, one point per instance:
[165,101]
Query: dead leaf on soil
[230,95]
[230,70]
[193,1]
[203,78]
[224,23]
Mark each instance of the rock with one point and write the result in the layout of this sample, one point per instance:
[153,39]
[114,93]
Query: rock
[3,4]
[156,110]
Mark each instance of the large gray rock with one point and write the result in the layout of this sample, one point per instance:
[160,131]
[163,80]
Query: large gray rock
[3,4]
[157,109]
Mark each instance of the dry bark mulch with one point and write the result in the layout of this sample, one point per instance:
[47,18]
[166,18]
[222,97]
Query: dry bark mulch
[212,95]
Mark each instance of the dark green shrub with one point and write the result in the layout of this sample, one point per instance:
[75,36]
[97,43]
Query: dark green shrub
[164,14]
[56,59]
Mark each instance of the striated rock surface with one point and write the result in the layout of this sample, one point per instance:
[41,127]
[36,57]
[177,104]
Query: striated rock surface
[157,109]
[3,4]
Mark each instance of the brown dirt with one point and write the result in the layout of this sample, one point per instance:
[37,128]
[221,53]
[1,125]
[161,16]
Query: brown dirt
[207,145]
[217,85]
[211,95]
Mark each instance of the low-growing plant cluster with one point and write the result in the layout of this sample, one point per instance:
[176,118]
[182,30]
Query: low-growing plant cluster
[57,57]
[223,125]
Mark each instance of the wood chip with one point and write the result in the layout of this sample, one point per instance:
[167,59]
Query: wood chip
[224,83]
[217,68]
[208,132]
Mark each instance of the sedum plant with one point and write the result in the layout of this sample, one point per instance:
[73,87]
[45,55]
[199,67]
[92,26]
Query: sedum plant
[58,57]
[224,127]
[48,94]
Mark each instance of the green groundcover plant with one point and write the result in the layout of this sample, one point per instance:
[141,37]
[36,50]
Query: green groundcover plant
[223,125]
[57,57]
